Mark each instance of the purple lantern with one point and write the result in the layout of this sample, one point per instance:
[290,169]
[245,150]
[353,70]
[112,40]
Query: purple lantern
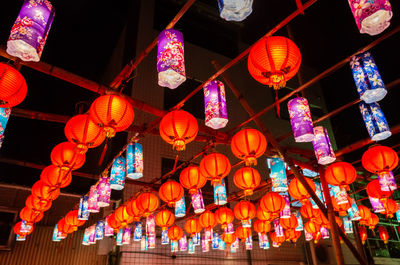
[92,234]
[183,243]
[118,172]
[322,146]
[30,30]
[377,205]
[170,59]
[300,118]
[104,191]
[324,232]
[108,230]
[198,202]
[126,236]
[285,213]
[134,161]
[4,115]
[93,206]
[215,105]
[387,181]
[278,228]
[372,16]
[229,229]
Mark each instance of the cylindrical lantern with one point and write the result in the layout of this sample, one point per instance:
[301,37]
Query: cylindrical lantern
[134,161]
[285,213]
[324,232]
[299,221]
[118,172]
[372,16]
[216,113]
[348,225]
[93,206]
[108,230]
[300,118]
[183,243]
[104,191]
[353,211]
[126,236]
[180,207]
[278,228]
[100,230]
[198,202]
[375,121]
[83,212]
[170,59]
[322,146]
[138,233]
[4,115]
[278,174]
[235,10]
[220,193]
[387,181]
[29,32]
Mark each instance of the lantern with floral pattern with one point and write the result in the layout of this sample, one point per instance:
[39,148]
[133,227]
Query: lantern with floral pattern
[322,146]
[4,115]
[104,191]
[300,118]
[118,172]
[278,174]
[375,121]
[216,114]
[235,10]
[134,161]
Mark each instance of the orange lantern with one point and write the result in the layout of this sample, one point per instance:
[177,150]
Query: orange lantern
[113,113]
[264,215]
[379,159]
[215,167]
[178,128]
[243,233]
[340,174]
[175,233]
[273,61]
[147,203]
[248,144]
[44,192]
[133,210]
[171,192]
[229,239]
[191,179]
[308,212]
[338,221]
[391,207]
[122,216]
[65,228]
[71,218]
[272,202]
[289,223]
[17,229]
[84,132]
[373,220]
[55,177]
[341,208]
[374,190]
[192,226]
[208,220]
[30,216]
[365,214]
[65,155]
[298,192]
[12,86]
[113,223]
[363,234]
[277,239]
[165,219]
[312,227]
[247,179]
[245,210]
[324,222]
[262,226]
[292,234]
[383,234]
[224,216]
[36,204]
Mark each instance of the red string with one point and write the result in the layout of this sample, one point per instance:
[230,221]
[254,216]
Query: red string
[278,108]
[300,6]
[103,153]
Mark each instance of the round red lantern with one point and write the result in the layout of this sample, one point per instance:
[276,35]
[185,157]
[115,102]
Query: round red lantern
[292,234]
[36,204]
[44,192]
[391,207]
[224,216]
[247,179]
[264,215]
[113,113]
[341,208]
[248,144]
[277,239]
[175,233]
[272,202]
[208,220]
[308,212]
[340,174]
[192,226]
[17,229]
[147,203]
[71,218]
[365,214]
[380,158]
[383,234]
[12,86]
[374,190]
[178,128]
[298,192]
[171,192]
[363,234]
[245,210]
[191,179]
[274,60]
[262,226]
[165,219]
[312,227]
[54,176]
[289,223]
[65,155]
[122,216]
[372,221]
[229,239]
[30,216]
[65,228]
[133,210]
[113,223]
[84,132]
[215,167]
[243,233]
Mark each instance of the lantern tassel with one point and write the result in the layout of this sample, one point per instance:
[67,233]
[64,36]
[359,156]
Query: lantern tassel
[103,153]
[278,108]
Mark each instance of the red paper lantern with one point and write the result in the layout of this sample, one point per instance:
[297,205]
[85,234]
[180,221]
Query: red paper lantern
[17,229]
[12,86]
[44,192]
[191,179]
[133,210]
[264,215]
[229,239]
[66,156]
[289,223]
[84,132]
[178,128]
[224,216]
[208,220]
[340,174]
[277,239]
[171,192]
[274,60]
[248,145]
[147,203]
[247,179]
[374,190]
[383,234]
[65,228]
[365,213]
[380,158]
[113,113]
[308,212]
[243,233]
[298,192]
[312,227]
[30,216]
[54,176]
[262,226]
[372,221]
[341,208]
[292,234]
[192,226]
[245,210]
[113,223]
[122,216]
[36,204]
[71,218]
[363,234]
[165,219]
[391,208]
[215,167]
[272,202]
[175,233]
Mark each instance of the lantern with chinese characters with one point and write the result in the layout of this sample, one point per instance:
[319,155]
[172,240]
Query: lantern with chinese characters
[340,174]
[278,174]
[220,193]
[208,220]
[374,190]
[178,128]
[165,219]
[29,32]
[147,203]
[322,146]
[104,191]
[300,119]
[113,113]
[243,233]
[93,206]
[118,173]
[30,216]
[71,218]
[170,59]
[133,210]
[262,226]
[235,10]
[55,177]
[248,144]
[44,192]
[84,132]
[12,86]
[272,202]
[65,155]
[245,211]
[170,192]
[134,161]
[191,179]
[198,202]
[214,167]
[36,204]
[383,234]
[298,191]
[373,16]
[192,226]
[4,115]
[224,216]
[175,233]
[274,60]
[375,121]
[216,114]
[247,179]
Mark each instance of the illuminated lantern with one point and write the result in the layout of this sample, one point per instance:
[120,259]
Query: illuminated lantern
[229,239]
[272,202]
[65,155]
[277,239]
[133,210]
[175,233]
[298,192]
[220,193]
[248,144]
[289,223]
[198,202]
[44,192]
[262,226]
[387,181]
[104,191]
[113,223]
[247,179]
[118,173]
[320,195]
[192,226]
[341,208]
[312,227]
[375,121]
[113,113]
[93,206]
[83,213]
[391,208]
[383,234]
[99,230]
[178,128]
[18,230]
[30,216]
[374,190]
[398,213]
[122,216]
[363,234]
[36,204]
[340,174]
[191,179]
[278,228]
[55,177]
[235,10]
[365,214]
[224,216]
[243,233]
[170,192]
[216,114]
[170,59]
[292,235]
[165,219]
[208,220]
[372,17]
[215,167]
[65,228]
[12,86]
[180,207]
[373,220]
[264,215]
[322,146]
[108,230]
[273,61]
[353,211]
[245,211]
[285,213]
[278,174]
[71,218]
[4,116]
[300,119]
[134,161]
[317,236]
[147,203]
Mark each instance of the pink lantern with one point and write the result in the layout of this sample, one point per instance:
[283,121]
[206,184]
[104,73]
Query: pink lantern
[93,205]
[300,119]
[104,192]
[322,146]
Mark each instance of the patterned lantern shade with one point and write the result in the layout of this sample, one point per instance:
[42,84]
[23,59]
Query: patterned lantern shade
[108,230]
[339,193]
[216,113]
[118,172]
[180,208]
[100,225]
[220,193]
[387,181]
[300,118]
[235,10]
[55,235]
[4,115]
[143,244]
[83,212]
[319,193]
[322,146]
[278,228]
[126,237]
[170,59]
[104,191]
[198,202]
[183,243]
[20,237]
[134,161]
[93,206]
[92,234]
[398,212]
[324,232]
[377,205]
[375,121]
[348,226]
[285,213]
[118,238]
[164,237]
[372,16]
[29,32]
[85,239]
[300,226]
[367,78]
[138,233]
[353,211]
[278,174]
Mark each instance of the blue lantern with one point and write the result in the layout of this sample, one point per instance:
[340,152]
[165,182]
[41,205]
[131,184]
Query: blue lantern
[118,171]
[55,235]
[196,239]
[215,241]
[221,243]
[368,81]
[375,121]
[4,115]
[134,161]
[180,208]
[353,211]
[21,238]
[319,193]
[85,239]
[300,226]
[83,212]
[144,244]
[348,226]
[100,230]
[138,233]
[235,10]
[249,243]
[191,246]
[164,237]
[220,193]
[278,174]
[398,213]
[118,239]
